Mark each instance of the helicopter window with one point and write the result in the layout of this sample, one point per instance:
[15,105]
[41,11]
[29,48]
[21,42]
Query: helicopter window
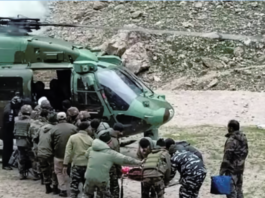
[119,89]
[8,87]
[82,84]
[86,93]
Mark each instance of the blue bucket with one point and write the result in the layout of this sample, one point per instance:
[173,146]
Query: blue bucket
[221,185]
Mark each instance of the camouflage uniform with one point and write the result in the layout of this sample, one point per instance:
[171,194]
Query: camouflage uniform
[77,175]
[33,130]
[47,169]
[76,146]
[156,173]
[114,171]
[103,190]
[192,173]
[23,141]
[235,154]
[153,183]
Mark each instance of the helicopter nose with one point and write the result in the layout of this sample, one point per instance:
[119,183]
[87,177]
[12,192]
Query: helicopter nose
[169,113]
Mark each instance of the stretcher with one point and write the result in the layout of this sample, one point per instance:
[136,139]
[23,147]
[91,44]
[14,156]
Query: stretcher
[135,174]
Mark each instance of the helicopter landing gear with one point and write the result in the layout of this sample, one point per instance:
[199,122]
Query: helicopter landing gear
[153,133]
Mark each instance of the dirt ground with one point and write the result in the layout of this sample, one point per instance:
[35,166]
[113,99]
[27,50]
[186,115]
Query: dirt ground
[211,110]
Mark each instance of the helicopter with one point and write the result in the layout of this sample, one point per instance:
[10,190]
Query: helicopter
[91,80]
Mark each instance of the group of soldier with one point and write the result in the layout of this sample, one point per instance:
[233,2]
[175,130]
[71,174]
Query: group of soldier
[56,145]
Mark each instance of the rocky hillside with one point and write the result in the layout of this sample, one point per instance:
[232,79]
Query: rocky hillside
[174,61]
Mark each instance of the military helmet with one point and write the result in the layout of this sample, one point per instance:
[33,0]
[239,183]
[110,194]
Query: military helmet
[45,104]
[26,109]
[83,115]
[72,111]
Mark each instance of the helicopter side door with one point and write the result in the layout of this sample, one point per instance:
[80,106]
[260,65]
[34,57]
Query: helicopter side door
[11,81]
[87,96]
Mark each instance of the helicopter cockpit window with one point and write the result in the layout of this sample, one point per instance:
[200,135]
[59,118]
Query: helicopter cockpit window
[119,89]
[86,92]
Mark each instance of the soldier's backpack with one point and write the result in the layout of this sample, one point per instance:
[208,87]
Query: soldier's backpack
[154,161]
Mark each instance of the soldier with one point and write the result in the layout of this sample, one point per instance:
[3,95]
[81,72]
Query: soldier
[235,154]
[100,159]
[45,154]
[59,136]
[23,141]
[146,145]
[43,103]
[76,146]
[99,128]
[115,169]
[34,115]
[183,145]
[33,131]
[10,112]
[156,171]
[191,169]
[72,114]
[117,132]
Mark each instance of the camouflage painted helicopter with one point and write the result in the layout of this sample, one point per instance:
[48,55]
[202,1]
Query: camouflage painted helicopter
[97,83]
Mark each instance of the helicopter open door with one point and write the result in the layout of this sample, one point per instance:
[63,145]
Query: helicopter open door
[86,95]
[13,79]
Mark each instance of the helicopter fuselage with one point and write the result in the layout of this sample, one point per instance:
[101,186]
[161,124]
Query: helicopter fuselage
[94,82]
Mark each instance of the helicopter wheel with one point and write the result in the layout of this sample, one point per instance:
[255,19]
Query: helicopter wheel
[153,134]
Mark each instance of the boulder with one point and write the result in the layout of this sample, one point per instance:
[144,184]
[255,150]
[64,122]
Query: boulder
[239,51]
[97,5]
[211,63]
[118,44]
[136,58]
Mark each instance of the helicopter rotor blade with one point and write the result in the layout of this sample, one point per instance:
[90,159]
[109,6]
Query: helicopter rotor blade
[32,23]
[213,35]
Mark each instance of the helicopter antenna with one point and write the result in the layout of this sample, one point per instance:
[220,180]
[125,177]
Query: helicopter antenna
[29,24]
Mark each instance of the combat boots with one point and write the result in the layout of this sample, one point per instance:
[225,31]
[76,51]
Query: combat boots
[48,189]
[56,191]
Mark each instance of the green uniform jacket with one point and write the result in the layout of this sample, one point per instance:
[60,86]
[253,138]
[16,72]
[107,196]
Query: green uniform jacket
[44,141]
[100,159]
[76,148]
[60,135]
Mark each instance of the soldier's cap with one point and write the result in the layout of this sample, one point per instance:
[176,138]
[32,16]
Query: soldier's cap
[72,111]
[61,116]
[16,100]
[41,99]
